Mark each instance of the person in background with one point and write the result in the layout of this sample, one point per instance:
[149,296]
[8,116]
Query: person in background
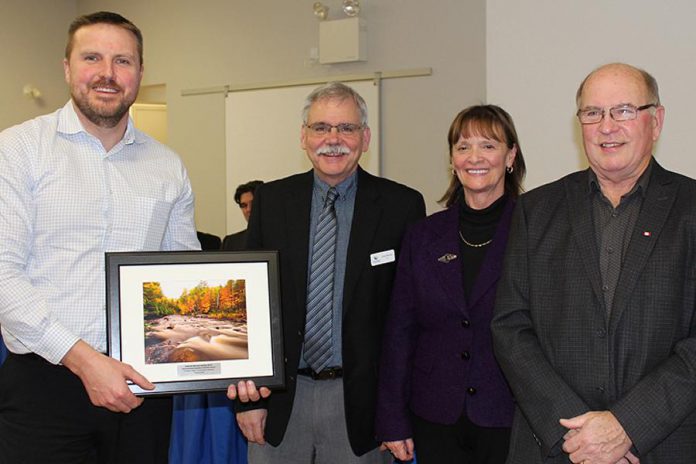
[244,197]
[338,230]
[595,318]
[441,391]
[75,184]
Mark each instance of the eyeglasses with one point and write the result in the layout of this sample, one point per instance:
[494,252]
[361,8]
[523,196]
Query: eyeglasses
[322,128]
[618,113]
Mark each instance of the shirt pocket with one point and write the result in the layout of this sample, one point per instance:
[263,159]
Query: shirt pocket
[138,223]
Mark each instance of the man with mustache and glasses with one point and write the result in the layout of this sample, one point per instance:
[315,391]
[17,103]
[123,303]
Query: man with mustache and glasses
[333,302]
[75,184]
[595,318]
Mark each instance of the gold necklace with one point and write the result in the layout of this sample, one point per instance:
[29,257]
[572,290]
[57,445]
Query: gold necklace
[474,245]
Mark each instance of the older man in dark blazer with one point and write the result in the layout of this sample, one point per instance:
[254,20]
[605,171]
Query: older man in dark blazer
[326,414]
[595,321]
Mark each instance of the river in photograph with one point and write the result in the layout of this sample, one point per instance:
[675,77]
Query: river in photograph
[177,338]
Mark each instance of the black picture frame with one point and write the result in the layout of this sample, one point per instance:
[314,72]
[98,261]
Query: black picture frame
[195,342]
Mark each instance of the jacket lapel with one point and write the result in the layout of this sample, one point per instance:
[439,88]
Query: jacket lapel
[583,231]
[448,269]
[492,264]
[657,205]
[367,213]
[297,218]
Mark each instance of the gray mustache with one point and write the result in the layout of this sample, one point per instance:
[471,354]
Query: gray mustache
[333,150]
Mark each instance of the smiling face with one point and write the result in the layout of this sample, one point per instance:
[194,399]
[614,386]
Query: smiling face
[334,156]
[619,152]
[479,163]
[104,74]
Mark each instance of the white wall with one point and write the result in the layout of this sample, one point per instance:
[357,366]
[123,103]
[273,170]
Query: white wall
[200,44]
[32,44]
[538,52]
[527,56]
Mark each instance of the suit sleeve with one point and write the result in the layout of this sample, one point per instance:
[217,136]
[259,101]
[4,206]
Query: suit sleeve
[541,394]
[393,416]
[419,211]
[253,236]
[254,242]
[661,401]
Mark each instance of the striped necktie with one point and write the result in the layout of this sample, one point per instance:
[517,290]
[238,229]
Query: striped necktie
[318,326]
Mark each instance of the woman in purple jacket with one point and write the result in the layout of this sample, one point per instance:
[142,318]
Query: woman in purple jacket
[441,391]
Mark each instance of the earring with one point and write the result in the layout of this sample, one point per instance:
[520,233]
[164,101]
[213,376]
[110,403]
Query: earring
[509,169]
[454,173]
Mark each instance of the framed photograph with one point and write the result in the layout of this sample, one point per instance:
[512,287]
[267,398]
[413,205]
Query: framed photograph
[194,321]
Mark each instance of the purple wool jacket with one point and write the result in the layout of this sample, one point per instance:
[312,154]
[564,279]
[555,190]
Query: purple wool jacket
[437,353]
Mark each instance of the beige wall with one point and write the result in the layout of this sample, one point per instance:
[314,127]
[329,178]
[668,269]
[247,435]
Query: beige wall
[208,43]
[528,57]
[539,51]
[32,43]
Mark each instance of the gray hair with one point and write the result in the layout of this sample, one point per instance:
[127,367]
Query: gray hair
[335,90]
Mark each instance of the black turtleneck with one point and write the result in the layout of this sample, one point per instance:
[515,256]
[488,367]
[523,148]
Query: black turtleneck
[476,226]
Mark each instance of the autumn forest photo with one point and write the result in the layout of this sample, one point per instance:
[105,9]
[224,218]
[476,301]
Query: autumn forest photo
[194,321]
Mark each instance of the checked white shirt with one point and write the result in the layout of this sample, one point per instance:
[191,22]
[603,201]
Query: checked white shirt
[64,201]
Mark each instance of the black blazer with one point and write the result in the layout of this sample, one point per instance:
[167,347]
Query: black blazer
[563,355]
[235,242]
[208,241]
[280,220]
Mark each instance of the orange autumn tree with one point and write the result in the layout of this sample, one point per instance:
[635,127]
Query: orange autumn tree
[219,302]
[155,304]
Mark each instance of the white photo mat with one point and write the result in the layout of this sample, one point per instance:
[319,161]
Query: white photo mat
[128,272]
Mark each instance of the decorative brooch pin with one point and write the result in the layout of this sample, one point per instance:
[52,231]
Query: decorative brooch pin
[447,257]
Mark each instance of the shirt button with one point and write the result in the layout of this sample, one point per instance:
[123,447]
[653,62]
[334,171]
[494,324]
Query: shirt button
[471,390]
[466,356]
[601,333]
[466,323]
[605,288]
[610,250]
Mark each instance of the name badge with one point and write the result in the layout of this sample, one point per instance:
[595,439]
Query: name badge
[382,257]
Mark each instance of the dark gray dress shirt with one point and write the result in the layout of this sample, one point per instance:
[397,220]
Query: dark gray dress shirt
[613,229]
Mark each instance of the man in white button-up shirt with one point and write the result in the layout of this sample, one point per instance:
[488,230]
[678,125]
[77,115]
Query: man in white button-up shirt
[75,184]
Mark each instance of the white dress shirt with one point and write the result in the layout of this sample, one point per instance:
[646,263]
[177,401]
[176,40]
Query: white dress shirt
[64,201]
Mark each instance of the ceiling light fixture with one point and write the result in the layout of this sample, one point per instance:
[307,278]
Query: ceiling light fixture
[320,10]
[351,7]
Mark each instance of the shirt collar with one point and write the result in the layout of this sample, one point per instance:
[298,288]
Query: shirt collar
[641,184]
[69,123]
[344,188]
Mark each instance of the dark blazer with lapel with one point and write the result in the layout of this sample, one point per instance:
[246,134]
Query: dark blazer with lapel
[431,326]
[280,221]
[235,242]
[561,352]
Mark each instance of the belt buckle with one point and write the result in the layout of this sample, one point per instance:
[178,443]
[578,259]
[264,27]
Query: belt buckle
[327,374]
